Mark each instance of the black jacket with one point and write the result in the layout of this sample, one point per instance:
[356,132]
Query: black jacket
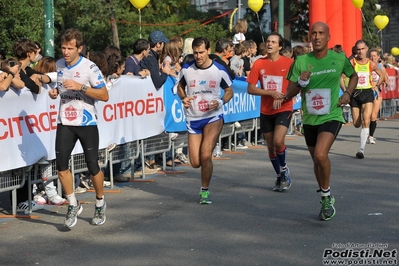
[151,62]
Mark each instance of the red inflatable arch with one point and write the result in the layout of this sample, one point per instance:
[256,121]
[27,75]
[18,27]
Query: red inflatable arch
[343,18]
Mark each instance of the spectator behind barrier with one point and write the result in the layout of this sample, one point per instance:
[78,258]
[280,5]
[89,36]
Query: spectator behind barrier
[9,75]
[158,74]
[237,61]
[26,52]
[171,56]
[141,49]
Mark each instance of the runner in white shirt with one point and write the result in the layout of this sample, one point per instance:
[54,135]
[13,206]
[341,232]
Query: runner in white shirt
[200,83]
[79,84]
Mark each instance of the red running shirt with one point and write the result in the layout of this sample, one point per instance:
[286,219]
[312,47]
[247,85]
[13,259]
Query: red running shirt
[272,76]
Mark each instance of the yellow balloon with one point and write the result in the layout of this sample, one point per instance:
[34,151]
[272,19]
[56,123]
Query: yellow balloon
[255,5]
[358,3]
[139,4]
[395,51]
[381,21]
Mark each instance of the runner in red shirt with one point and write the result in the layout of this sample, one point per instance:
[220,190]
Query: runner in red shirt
[275,114]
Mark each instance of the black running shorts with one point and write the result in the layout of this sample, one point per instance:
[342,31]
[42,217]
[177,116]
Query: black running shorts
[361,97]
[269,122]
[311,132]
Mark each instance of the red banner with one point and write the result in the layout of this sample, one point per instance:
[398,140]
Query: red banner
[392,90]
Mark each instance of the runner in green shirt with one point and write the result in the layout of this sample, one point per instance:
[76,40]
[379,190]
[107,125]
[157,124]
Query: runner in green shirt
[317,75]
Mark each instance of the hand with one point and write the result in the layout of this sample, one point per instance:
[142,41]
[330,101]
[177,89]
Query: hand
[305,75]
[144,73]
[277,104]
[165,68]
[14,69]
[36,79]
[344,99]
[214,104]
[277,95]
[3,75]
[53,93]
[187,101]
[69,84]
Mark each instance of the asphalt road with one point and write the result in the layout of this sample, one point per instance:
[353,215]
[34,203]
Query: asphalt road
[161,222]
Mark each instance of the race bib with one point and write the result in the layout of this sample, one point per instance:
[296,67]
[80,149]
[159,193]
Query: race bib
[272,83]
[363,80]
[71,113]
[318,101]
[202,104]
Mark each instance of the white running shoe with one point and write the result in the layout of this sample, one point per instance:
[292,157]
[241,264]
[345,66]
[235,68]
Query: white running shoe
[371,140]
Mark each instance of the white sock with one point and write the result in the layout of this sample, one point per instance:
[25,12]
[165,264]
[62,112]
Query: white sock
[325,192]
[364,133]
[100,202]
[72,199]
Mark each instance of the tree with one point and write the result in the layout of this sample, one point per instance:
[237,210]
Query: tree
[24,20]
[254,25]
[299,20]
[370,31]
[92,17]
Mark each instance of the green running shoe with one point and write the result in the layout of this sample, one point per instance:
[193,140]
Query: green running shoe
[327,208]
[205,197]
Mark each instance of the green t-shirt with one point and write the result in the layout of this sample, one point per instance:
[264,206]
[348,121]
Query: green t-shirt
[321,95]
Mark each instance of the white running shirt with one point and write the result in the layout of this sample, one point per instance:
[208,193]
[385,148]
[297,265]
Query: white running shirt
[76,108]
[204,85]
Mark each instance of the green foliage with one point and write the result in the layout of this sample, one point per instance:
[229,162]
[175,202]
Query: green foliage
[254,28]
[300,20]
[22,20]
[93,18]
[371,33]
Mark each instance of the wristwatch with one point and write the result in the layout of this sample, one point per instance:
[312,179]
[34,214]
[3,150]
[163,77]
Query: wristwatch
[83,88]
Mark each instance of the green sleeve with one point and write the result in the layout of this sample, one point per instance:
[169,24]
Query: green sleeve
[348,68]
[294,72]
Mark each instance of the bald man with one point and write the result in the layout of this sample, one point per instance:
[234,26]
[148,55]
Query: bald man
[317,76]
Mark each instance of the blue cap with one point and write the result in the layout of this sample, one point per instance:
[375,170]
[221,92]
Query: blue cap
[157,36]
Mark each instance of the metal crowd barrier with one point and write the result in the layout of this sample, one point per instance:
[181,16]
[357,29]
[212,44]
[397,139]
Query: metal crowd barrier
[227,132]
[10,181]
[181,141]
[121,153]
[246,126]
[77,162]
[40,173]
[389,108]
[159,144]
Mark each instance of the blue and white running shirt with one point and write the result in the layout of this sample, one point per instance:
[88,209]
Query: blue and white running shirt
[76,108]
[204,85]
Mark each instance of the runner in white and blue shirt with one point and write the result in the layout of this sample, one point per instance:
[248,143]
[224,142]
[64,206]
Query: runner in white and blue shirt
[79,84]
[199,87]
[204,85]
[77,108]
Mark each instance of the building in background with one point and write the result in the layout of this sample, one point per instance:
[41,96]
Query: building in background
[391,32]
